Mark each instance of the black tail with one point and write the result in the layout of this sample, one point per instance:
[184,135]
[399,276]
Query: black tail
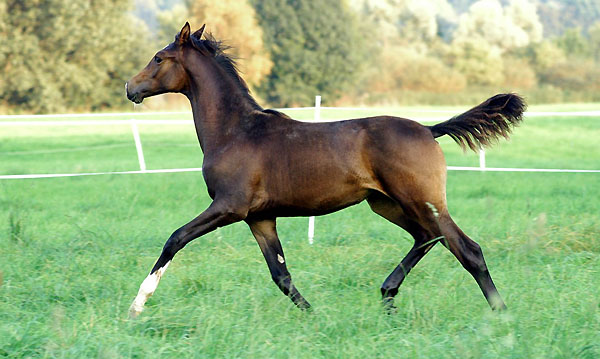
[484,124]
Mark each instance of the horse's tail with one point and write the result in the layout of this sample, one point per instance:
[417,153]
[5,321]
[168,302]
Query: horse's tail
[483,124]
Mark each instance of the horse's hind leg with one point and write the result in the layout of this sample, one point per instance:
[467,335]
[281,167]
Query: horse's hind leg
[469,254]
[428,226]
[424,241]
[266,235]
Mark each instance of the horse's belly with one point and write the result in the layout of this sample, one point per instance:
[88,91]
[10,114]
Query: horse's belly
[315,198]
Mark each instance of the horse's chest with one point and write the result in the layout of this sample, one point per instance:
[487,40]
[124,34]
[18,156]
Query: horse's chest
[224,175]
[211,179]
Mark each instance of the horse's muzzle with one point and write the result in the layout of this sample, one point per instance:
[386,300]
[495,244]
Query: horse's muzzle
[135,97]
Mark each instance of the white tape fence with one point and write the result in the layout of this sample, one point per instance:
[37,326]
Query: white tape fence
[19,121]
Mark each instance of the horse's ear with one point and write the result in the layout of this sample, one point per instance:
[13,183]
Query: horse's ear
[198,34]
[184,34]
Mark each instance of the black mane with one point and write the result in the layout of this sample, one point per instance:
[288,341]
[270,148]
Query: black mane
[218,49]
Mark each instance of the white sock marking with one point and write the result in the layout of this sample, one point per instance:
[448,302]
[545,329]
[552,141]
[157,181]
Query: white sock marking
[147,288]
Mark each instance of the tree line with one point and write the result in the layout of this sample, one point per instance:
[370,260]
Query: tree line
[70,55]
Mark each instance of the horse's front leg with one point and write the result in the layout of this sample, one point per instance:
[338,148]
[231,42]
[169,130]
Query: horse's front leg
[218,214]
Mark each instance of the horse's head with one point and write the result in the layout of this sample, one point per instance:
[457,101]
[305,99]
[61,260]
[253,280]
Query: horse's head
[165,72]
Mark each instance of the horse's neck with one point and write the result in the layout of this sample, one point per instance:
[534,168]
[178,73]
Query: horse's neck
[218,107]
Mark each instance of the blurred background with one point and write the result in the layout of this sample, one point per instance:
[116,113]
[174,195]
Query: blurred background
[75,55]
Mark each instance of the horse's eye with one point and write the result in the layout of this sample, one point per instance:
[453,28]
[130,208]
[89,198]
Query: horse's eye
[157,59]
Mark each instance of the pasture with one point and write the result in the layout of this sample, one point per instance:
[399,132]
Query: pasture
[74,251]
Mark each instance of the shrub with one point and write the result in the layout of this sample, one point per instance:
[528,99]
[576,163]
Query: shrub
[408,69]
[573,75]
[518,74]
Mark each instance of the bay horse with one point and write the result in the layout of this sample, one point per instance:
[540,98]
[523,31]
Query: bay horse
[259,165]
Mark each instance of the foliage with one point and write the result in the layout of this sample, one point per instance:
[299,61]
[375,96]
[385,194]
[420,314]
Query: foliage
[594,36]
[487,43]
[71,55]
[503,29]
[558,16]
[573,43]
[567,62]
[62,54]
[316,48]
[544,55]
[235,23]
[518,73]
[401,67]
[170,22]
[404,22]
[575,74]
[480,62]
[488,31]
[407,34]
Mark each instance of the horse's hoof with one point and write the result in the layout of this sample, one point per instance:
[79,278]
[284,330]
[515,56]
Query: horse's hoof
[304,306]
[388,306]
[134,311]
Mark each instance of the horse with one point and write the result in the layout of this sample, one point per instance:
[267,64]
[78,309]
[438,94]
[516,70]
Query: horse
[259,164]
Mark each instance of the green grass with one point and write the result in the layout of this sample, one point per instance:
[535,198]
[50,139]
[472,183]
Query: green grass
[74,251]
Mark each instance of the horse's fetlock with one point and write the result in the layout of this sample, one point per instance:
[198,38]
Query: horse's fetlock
[388,291]
[282,280]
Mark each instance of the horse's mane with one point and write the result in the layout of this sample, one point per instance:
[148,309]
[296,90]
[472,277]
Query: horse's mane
[228,63]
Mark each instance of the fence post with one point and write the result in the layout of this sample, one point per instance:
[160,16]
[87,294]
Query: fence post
[317,108]
[138,145]
[311,219]
[481,159]
[311,229]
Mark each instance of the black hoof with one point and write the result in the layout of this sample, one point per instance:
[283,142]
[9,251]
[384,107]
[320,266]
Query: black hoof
[496,303]
[499,308]
[388,306]
[302,304]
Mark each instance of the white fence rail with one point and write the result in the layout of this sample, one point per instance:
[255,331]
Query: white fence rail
[19,121]
[135,121]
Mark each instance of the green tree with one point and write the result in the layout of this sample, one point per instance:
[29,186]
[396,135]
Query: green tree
[578,70]
[502,28]
[573,43]
[478,61]
[235,23]
[555,15]
[413,23]
[316,48]
[486,33]
[407,33]
[170,22]
[64,54]
[594,35]
[544,55]
[558,16]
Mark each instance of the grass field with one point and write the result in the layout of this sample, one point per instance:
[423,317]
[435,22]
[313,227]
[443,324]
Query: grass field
[74,251]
